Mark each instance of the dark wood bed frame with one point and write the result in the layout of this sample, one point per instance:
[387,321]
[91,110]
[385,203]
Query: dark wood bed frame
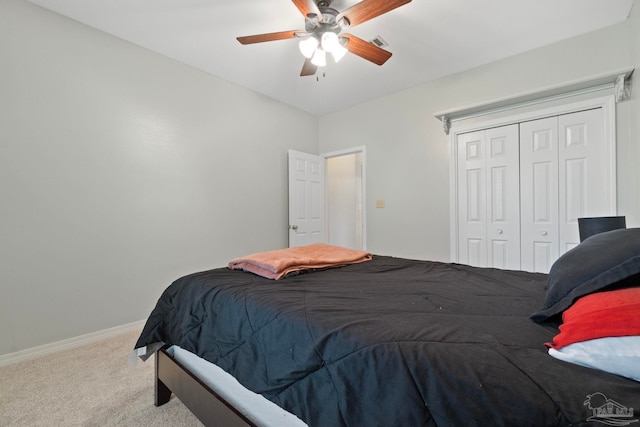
[207,405]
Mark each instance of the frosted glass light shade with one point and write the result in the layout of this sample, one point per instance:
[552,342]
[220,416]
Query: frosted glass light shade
[330,41]
[339,52]
[319,58]
[308,46]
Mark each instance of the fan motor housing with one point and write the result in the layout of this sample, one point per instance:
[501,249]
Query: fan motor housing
[325,22]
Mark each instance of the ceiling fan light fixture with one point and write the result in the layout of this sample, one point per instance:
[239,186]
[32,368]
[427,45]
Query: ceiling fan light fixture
[308,46]
[323,26]
[319,58]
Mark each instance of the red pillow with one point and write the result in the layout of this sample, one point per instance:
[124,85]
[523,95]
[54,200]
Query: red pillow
[599,315]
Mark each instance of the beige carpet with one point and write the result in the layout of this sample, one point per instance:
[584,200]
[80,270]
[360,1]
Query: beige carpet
[87,386]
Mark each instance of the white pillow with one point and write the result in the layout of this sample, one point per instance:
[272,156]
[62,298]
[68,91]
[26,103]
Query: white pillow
[618,355]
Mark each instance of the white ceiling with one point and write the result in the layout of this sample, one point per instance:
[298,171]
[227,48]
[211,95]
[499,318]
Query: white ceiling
[428,38]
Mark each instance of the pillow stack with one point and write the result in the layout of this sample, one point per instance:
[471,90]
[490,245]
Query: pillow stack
[602,331]
[595,288]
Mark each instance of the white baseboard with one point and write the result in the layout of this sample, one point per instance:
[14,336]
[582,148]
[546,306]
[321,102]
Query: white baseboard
[43,350]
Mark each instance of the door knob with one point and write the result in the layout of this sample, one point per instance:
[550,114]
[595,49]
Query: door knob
[544,233]
[294,227]
[499,231]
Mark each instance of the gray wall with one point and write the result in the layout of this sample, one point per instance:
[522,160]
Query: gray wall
[408,152]
[121,170]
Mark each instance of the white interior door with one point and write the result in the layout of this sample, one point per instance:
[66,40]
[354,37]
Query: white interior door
[306,199]
[539,194]
[488,185]
[566,174]
[503,202]
[585,177]
[472,222]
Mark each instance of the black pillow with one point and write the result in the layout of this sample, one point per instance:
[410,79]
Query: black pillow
[598,262]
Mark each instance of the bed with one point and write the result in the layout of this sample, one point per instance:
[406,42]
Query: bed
[399,342]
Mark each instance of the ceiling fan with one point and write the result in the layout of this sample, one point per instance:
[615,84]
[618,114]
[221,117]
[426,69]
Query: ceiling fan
[323,29]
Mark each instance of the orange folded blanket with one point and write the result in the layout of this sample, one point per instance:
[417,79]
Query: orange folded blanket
[278,263]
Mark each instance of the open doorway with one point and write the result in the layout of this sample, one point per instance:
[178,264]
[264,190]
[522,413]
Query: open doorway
[345,192]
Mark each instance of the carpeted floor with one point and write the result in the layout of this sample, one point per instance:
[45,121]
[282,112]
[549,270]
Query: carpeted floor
[91,385]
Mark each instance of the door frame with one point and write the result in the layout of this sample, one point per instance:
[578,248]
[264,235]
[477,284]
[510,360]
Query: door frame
[606,102]
[345,152]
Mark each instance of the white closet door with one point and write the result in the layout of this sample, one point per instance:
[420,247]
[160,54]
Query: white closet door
[503,203]
[521,188]
[488,203]
[584,173]
[566,174]
[539,194]
[472,232]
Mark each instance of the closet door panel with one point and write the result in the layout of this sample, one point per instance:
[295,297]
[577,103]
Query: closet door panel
[503,215]
[541,197]
[543,256]
[472,227]
[539,194]
[584,172]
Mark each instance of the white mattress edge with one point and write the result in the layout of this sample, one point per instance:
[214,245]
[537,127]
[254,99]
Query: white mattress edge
[255,407]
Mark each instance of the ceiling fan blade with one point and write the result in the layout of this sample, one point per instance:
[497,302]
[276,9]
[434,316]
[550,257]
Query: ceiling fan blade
[369,9]
[306,7]
[308,69]
[366,50]
[269,37]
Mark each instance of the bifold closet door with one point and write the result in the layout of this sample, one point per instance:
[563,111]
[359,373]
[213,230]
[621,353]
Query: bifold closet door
[488,201]
[566,174]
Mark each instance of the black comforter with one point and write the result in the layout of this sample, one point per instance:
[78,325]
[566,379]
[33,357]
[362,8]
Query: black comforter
[390,342]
